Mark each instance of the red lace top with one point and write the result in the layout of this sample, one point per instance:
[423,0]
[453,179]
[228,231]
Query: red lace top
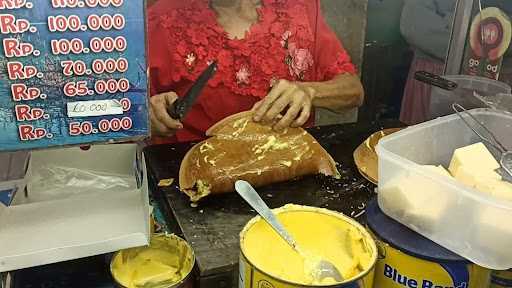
[290,41]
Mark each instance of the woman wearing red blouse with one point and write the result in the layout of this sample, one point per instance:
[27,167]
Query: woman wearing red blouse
[277,57]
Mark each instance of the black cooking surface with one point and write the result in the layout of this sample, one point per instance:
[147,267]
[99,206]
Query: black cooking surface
[213,227]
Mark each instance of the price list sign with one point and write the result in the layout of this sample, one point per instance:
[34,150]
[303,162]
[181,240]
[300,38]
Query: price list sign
[71,72]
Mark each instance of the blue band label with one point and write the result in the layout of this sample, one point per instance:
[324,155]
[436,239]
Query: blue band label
[458,272]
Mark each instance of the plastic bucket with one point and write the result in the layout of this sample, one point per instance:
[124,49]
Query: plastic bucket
[441,100]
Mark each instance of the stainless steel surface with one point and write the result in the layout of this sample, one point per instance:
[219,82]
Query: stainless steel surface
[460,27]
[482,35]
[245,189]
[482,32]
[499,151]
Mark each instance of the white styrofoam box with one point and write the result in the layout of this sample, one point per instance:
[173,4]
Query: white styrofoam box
[463,220]
[59,223]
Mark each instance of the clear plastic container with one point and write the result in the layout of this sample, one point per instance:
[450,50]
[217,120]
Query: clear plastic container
[500,102]
[441,100]
[461,219]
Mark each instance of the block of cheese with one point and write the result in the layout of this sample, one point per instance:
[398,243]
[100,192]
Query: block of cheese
[498,188]
[438,169]
[490,183]
[475,167]
[475,157]
[416,198]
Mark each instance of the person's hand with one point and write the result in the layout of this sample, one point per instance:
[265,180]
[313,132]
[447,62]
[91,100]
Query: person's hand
[288,104]
[161,123]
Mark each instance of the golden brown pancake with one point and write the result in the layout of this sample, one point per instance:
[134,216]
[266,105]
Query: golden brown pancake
[240,149]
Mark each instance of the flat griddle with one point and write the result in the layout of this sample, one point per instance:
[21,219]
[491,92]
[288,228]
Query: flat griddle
[213,227]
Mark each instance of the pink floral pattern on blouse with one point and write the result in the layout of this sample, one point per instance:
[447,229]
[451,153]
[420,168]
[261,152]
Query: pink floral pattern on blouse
[280,46]
[290,41]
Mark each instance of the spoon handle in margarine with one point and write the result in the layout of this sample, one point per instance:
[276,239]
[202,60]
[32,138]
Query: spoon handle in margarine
[251,196]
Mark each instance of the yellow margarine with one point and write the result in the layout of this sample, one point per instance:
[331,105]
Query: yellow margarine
[165,261]
[319,236]
[475,167]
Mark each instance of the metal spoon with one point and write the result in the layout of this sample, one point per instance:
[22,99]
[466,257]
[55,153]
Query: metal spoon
[326,268]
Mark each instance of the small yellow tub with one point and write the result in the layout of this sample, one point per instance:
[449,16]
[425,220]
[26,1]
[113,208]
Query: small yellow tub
[266,261]
[166,263]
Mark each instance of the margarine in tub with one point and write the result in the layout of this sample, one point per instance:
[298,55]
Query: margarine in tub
[166,262]
[266,259]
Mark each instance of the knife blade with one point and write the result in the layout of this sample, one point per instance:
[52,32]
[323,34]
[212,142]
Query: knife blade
[182,106]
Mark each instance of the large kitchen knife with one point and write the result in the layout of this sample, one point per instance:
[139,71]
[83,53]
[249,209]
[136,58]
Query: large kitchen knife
[182,106]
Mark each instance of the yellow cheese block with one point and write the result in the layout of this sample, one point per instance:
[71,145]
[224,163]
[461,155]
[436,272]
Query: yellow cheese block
[416,198]
[475,157]
[490,183]
[474,166]
[499,189]
[438,169]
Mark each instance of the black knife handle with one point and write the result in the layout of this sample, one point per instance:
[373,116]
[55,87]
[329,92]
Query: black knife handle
[435,80]
[174,110]
[181,106]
